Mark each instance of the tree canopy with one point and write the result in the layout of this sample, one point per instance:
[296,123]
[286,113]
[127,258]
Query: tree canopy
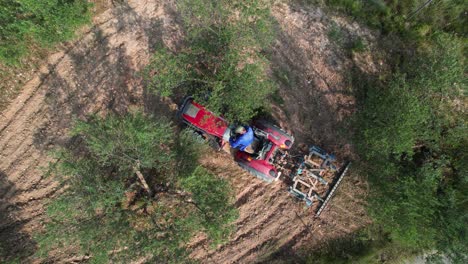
[221,63]
[106,213]
[412,137]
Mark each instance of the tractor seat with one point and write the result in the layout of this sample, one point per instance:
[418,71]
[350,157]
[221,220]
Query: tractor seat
[254,146]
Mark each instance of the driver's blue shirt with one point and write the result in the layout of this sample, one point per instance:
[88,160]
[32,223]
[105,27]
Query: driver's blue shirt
[243,140]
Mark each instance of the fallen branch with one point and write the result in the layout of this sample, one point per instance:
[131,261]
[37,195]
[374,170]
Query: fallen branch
[142,179]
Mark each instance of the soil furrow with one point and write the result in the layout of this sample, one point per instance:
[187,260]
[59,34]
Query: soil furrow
[259,221]
[29,91]
[19,152]
[259,238]
[19,180]
[267,248]
[33,183]
[243,197]
[24,200]
[259,229]
[29,219]
[15,167]
[22,102]
[22,126]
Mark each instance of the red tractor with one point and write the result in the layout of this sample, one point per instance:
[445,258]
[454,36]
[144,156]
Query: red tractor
[312,175]
[268,139]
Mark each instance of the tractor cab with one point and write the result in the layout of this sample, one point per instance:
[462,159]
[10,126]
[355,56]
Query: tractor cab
[259,146]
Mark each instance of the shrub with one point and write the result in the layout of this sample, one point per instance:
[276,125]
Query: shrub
[125,141]
[211,196]
[411,134]
[393,16]
[222,65]
[105,214]
[24,23]
[391,119]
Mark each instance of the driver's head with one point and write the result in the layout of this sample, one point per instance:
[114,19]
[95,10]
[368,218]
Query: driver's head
[240,130]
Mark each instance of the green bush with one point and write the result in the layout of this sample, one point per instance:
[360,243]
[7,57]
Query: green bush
[24,23]
[221,65]
[369,245]
[209,194]
[393,16]
[94,213]
[411,136]
[122,142]
[391,119]
[410,207]
[358,45]
[106,214]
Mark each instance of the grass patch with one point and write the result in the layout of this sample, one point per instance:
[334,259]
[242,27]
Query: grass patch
[284,77]
[26,23]
[335,34]
[358,45]
[367,246]
[28,29]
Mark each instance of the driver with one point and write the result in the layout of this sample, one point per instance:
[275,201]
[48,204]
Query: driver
[244,139]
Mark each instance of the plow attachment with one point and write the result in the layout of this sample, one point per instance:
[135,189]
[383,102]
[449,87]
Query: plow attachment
[335,185]
[315,178]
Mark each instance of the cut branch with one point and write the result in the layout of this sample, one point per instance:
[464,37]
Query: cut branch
[142,179]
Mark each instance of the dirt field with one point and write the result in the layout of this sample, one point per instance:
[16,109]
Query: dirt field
[99,73]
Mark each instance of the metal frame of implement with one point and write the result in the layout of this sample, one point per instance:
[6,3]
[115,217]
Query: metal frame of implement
[309,177]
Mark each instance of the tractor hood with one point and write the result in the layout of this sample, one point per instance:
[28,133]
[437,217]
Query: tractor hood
[275,134]
[196,115]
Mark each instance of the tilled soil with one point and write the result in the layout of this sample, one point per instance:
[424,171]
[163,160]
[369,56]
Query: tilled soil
[98,73]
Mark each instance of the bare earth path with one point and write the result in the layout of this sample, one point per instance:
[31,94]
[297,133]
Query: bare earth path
[99,73]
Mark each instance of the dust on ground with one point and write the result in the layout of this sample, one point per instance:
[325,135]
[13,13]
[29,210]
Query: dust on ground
[98,73]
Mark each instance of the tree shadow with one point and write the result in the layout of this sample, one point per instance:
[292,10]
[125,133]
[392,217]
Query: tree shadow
[101,74]
[15,244]
[308,109]
[316,99]
[349,248]
[158,106]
